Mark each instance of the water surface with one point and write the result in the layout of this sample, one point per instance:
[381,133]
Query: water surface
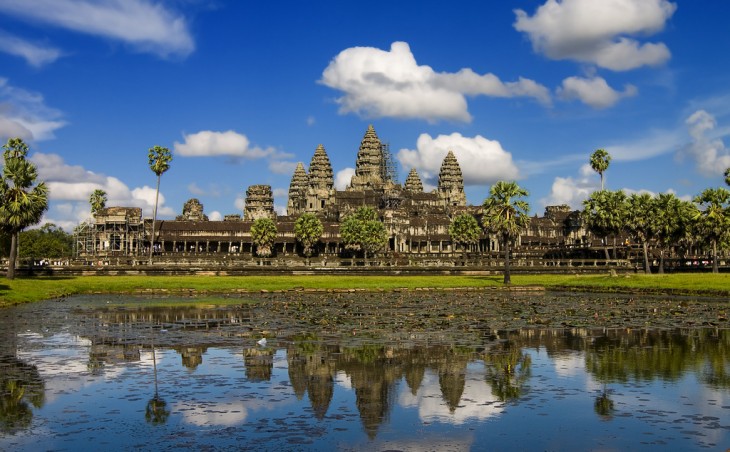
[431,371]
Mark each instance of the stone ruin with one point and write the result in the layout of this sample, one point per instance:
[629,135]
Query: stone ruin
[259,203]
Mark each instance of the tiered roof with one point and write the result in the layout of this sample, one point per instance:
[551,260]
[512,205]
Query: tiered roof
[320,170]
[369,164]
[451,181]
[413,181]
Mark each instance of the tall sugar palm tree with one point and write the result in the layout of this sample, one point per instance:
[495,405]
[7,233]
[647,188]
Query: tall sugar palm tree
[713,219]
[599,162]
[308,230]
[640,212]
[159,160]
[604,214]
[263,234]
[21,203]
[97,200]
[505,214]
[671,221]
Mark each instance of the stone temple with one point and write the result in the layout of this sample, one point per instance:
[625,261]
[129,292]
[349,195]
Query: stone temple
[416,221]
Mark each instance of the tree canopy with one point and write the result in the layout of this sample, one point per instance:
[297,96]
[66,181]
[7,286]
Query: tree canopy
[599,161]
[159,159]
[97,200]
[506,213]
[49,241]
[308,230]
[362,230]
[22,203]
[464,230]
[263,234]
[713,219]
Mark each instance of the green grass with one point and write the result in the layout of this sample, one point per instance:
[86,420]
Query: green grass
[27,289]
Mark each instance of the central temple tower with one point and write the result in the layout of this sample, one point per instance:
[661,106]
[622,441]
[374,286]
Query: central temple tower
[369,164]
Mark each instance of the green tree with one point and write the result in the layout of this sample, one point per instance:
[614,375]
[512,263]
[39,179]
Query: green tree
[362,230]
[308,230]
[49,241]
[640,214]
[506,214]
[97,200]
[604,214]
[727,177]
[263,234]
[599,162]
[464,230]
[21,203]
[159,159]
[672,220]
[713,219]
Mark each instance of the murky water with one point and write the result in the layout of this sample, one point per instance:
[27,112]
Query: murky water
[366,372]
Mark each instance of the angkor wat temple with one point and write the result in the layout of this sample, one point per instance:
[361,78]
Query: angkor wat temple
[416,221]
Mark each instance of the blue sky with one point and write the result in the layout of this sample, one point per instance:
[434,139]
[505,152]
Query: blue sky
[241,91]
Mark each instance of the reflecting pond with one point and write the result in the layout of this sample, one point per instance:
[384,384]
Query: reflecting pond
[366,371]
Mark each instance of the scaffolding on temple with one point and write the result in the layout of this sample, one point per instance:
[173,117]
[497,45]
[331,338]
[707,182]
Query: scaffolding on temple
[388,167]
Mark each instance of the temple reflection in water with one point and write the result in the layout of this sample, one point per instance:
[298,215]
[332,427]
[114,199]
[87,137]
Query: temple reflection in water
[500,360]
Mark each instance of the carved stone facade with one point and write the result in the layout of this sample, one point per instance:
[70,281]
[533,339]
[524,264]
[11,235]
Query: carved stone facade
[369,165]
[298,191]
[259,203]
[192,211]
[451,182]
[413,182]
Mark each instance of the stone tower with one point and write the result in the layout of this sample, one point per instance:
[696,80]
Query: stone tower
[259,203]
[298,191]
[192,211]
[321,191]
[369,164]
[451,182]
[413,182]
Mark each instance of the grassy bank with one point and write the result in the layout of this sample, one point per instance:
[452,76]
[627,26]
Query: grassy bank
[29,289]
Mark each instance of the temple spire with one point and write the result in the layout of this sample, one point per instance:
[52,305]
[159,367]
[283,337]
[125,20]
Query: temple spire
[451,182]
[413,182]
[369,164]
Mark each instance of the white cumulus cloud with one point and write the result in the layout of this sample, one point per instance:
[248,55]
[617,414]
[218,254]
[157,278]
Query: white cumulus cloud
[381,83]
[710,155]
[210,143]
[593,91]
[343,178]
[70,186]
[146,25]
[482,161]
[601,32]
[572,190]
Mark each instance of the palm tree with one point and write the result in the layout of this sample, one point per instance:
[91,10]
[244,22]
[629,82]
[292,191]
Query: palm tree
[727,176]
[464,230]
[505,214]
[159,160]
[599,162]
[604,213]
[308,230]
[21,203]
[671,221]
[713,219]
[97,200]
[263,234]
[640,216]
